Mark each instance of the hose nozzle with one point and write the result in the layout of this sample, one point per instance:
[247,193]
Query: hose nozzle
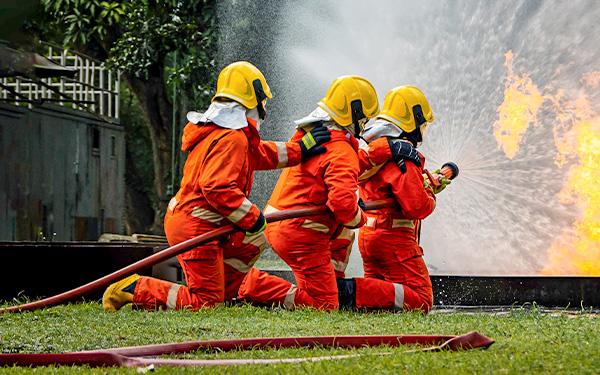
[449,170]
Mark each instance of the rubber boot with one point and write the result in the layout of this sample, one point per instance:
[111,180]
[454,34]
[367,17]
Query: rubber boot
[120,293]
[346,293]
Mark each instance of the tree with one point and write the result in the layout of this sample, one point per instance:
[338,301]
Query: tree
[141,38]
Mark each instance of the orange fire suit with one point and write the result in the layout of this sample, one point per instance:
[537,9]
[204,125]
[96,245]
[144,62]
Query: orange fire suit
[395,274]
[308,244]
[216,183]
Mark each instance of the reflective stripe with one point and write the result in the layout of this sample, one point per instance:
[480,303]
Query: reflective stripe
[282,154]
[398,296]
[172,296]
[290,297]
[339,265]
[354,222]
[207,215]
[348,251]
[259,240]
[172,204]
[270,209]
[241,211]
[309,224]
[309,141]
[238,265]
[347,234]
[402,223]
[370,221]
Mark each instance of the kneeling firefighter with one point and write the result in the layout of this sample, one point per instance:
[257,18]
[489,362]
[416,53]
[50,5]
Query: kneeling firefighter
[308,245]
[224,149]
[396,276]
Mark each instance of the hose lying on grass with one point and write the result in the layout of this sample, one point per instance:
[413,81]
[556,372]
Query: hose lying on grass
[128,357]
[169,253]
[138,356]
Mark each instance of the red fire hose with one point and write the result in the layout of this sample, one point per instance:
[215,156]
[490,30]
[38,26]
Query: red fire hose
[168,253]
[127,357]
[468,341]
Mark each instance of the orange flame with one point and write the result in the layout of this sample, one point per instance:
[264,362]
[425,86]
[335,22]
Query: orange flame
[522,100]
[576,251]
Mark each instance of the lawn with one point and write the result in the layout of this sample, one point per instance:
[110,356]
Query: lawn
[527,340]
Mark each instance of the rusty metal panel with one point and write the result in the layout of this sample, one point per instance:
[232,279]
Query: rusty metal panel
[85,228]
[61,174]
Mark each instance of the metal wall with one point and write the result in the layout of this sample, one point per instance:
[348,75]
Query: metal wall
[61,174]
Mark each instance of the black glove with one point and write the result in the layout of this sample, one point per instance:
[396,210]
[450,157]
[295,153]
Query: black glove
[402,151]
[311,143]
[259,226]
[361,204]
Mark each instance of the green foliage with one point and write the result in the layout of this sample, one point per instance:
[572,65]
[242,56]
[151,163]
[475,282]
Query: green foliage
[139,34]
[84,20]
[139,38]
[140,173]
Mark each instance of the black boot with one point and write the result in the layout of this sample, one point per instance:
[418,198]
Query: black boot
[346,293]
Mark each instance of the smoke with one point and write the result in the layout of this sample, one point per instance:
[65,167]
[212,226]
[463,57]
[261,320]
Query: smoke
[501,215]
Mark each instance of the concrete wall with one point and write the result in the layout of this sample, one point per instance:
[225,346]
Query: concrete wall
[61,174]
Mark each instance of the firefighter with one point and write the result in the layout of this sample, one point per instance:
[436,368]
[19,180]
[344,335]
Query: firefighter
[395,274]
[331,178]
[224,149]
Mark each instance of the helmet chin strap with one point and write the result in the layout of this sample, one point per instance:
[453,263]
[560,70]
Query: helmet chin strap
[357,116]
[260,96]
[413,137]
[357,131]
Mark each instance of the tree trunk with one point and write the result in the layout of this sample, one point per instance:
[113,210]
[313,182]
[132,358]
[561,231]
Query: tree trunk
[138,205]
[155,104]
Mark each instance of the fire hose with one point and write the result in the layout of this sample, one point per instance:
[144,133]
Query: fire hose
[127,357]
[171,252]
[138,356]
[449,170]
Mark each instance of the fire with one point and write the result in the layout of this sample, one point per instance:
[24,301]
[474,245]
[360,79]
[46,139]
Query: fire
[522,100]
[576,251]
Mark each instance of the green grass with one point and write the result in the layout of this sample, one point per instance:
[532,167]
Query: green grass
[526,341]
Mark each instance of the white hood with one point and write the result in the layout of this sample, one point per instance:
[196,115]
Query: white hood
[317,115]
[229,115]
[380,128]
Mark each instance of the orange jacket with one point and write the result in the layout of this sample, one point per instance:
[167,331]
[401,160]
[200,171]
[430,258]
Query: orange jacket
[414,200]
[329,179]
[219,170]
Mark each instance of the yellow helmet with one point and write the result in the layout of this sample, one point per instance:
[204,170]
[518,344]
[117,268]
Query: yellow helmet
[243,82]
[407,108]
[349,100]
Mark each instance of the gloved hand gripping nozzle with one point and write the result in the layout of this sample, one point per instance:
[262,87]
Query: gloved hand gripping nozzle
[440,178]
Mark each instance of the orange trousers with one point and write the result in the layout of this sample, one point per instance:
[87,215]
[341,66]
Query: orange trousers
[396,276]
[213,271]
[307,248]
